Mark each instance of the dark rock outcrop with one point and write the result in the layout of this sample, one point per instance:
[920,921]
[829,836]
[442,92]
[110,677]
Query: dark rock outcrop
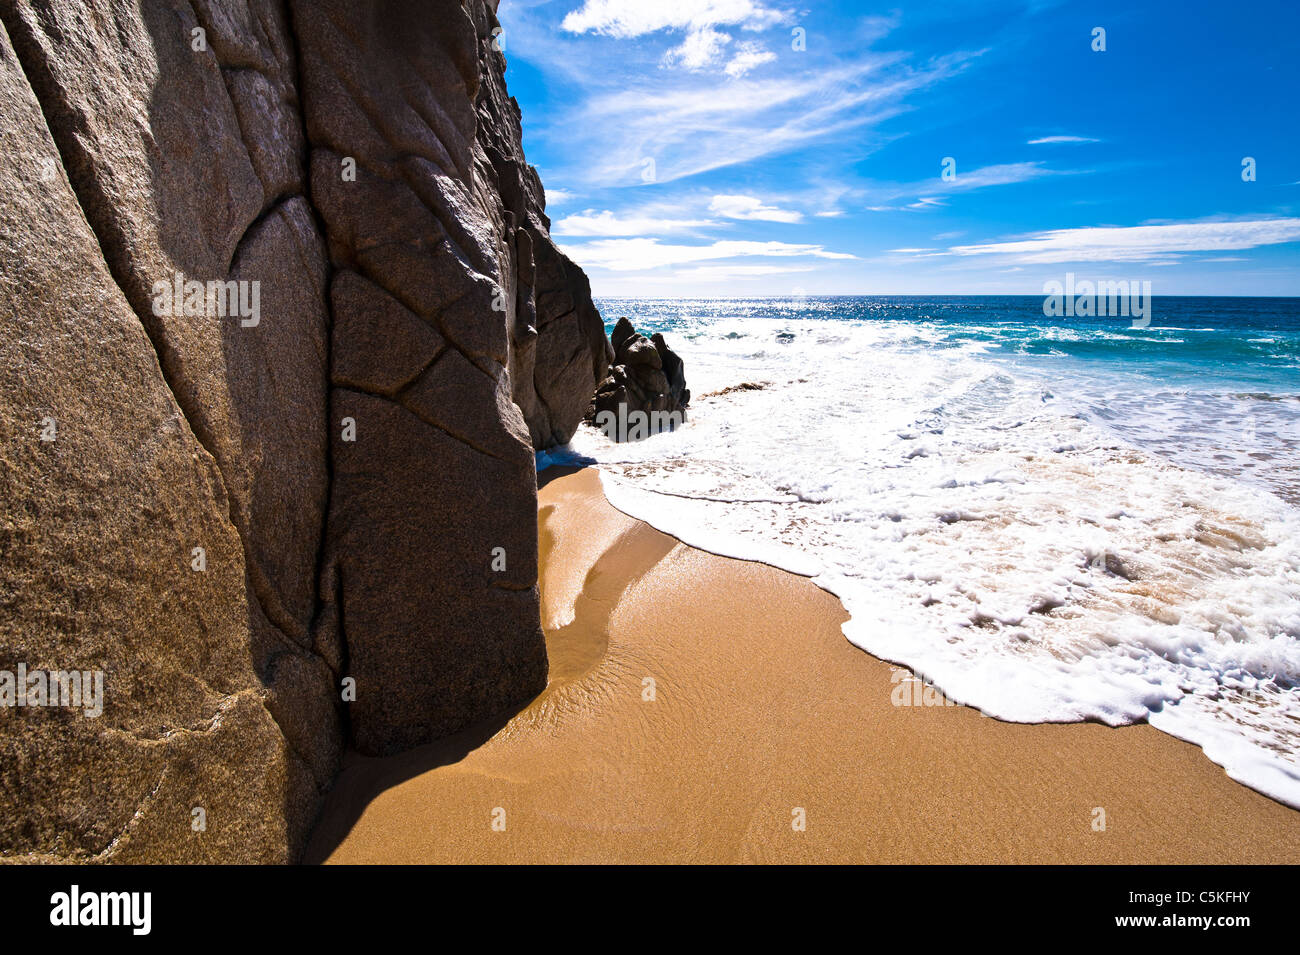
[301,520]
[647,379]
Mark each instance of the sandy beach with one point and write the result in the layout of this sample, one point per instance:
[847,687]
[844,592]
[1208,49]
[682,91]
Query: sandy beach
[700,708]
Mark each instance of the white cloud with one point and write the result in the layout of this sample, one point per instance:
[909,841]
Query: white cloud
[748,56]
[1148,243]
[606,223]
[626,255]
[704,44]
[749,207]
[1061,139]
[558,196]
[829,214]
[701,48]
[739,271]
[633,18]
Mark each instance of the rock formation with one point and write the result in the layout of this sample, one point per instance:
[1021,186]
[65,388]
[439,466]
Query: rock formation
[282,328]
[646,378]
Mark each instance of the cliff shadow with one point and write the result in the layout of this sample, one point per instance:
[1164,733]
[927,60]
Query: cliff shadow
[364,778]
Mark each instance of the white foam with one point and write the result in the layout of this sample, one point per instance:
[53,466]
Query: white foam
[980,531]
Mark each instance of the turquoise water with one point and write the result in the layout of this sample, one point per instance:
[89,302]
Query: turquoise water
[1231,344]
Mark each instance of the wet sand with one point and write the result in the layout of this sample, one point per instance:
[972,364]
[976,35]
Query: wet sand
[701,707]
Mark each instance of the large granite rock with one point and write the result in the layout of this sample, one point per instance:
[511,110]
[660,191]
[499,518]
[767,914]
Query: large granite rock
[431,555]
[98,529]
[354,454]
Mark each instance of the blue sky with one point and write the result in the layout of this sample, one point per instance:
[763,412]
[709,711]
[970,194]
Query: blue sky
[690,148]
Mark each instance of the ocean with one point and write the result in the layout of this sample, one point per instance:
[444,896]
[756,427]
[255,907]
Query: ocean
[1049,519]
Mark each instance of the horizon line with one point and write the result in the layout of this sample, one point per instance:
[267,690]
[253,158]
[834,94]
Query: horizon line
[789,297]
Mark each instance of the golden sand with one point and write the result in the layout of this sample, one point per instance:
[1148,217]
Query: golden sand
[701,707]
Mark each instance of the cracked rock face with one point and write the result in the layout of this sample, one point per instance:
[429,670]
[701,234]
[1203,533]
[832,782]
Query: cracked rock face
[242,507]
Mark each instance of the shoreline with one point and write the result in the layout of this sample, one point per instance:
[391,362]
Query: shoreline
[762,708]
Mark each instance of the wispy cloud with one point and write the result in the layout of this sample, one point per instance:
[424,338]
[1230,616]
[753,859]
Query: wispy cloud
[704,44]
[691,129]
[732,97]
[606,223]
[625,255]
[1050,140]
[715,272]
[632,18]
[999,175]
[1146,243]
[933,193]
[748,56]
[700,49]
[683,213]
[751,207]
